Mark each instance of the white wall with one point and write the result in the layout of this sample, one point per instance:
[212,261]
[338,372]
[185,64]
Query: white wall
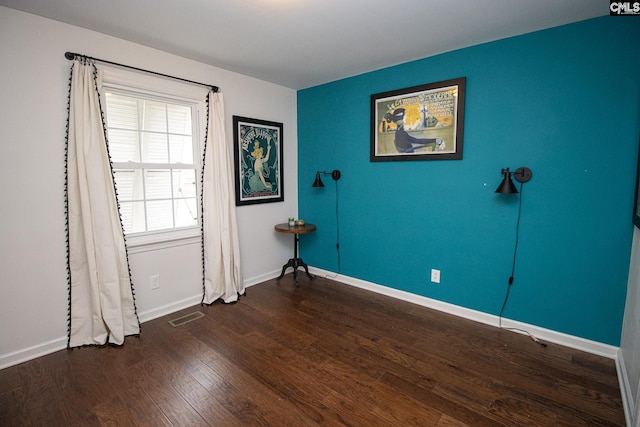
[629,355]
[33,99]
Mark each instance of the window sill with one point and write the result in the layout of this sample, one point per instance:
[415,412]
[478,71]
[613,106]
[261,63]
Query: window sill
[163,240]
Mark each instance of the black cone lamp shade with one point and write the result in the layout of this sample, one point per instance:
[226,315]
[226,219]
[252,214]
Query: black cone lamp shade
[318,182]
[507,186]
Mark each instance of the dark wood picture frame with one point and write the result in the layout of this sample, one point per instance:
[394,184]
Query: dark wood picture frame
[258,156]
[419,123]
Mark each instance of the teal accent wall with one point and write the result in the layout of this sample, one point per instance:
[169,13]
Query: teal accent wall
[563,102]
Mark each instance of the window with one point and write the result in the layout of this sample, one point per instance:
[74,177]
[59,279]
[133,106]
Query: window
[154,147]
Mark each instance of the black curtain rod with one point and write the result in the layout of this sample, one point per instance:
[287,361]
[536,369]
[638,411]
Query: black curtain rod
[71,56]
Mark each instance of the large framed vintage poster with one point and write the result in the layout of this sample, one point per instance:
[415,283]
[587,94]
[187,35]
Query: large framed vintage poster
[419,123]
[258,161]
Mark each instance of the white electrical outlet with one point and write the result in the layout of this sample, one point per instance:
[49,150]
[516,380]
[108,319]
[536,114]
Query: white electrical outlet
[435,275]
[154,281]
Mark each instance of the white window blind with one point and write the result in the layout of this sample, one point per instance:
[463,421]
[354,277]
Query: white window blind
[155,160]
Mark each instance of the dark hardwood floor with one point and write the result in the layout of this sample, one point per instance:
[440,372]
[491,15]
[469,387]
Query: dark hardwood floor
[321,354]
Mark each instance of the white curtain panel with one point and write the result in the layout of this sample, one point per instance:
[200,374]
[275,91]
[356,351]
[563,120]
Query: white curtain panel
[101,304]
[221,253]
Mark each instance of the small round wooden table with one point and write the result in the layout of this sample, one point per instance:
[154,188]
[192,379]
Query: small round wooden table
[295,262]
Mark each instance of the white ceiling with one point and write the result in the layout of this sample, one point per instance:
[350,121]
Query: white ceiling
[303,43]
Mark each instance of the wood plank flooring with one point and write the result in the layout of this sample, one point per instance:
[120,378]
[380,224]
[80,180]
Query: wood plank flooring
[323,354]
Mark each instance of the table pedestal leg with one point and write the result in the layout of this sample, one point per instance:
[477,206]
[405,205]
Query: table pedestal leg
[295,262]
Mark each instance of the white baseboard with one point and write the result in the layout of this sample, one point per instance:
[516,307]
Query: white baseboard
[154,313]
[261,278]
[625,389]
[33,352]
[571,341]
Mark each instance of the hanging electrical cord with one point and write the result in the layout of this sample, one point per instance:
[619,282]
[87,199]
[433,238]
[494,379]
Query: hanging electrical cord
[513,262]
[337,229]
[335,174]
[333,276]
[511,278]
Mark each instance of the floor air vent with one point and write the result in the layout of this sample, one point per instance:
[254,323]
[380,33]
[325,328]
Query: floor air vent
[186,318]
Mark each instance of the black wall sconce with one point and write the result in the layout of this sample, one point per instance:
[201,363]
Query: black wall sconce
[318,182]
[521,175]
